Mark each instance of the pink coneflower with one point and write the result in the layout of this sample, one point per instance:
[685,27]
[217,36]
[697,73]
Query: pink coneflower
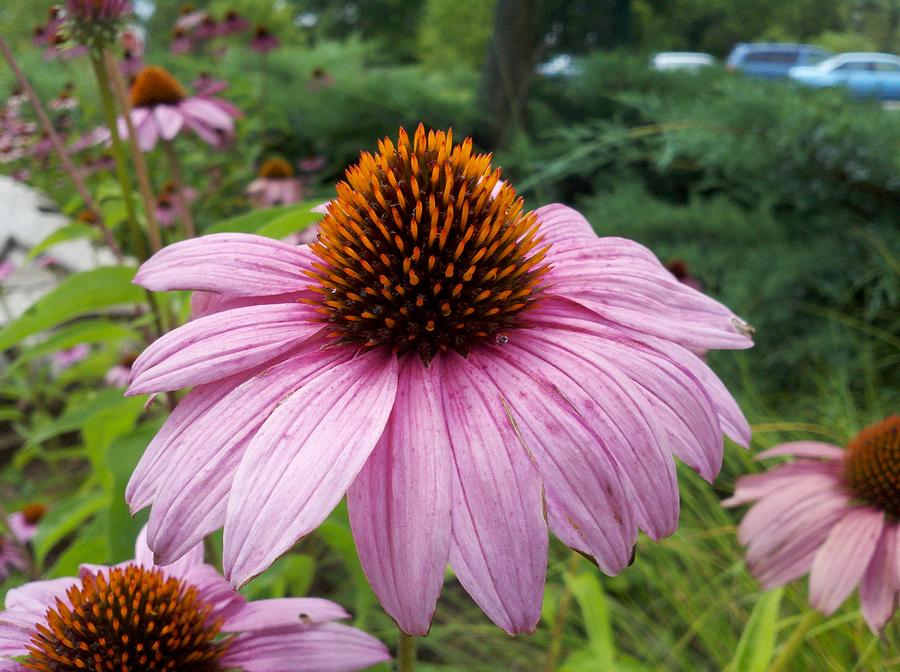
[233,22]
[834,513]
[65,100]
[312,164]
[68,357]
[136,616]
[7,268]
[168,208]
[161,108]
[207,85]
[263,40]
[23,524]
[207,29]
[132,61]
[11,558]
[463,368]
[679,269]
[276,185]
[189,18]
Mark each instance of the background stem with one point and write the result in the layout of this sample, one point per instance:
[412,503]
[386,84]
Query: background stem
[785,660]
[183,205]
[406,653]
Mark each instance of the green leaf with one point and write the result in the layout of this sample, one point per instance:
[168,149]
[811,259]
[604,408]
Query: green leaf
[69,232]
[297,219]
[757,645]
[65,517]
[250,222]
[335,532]
[595,611]
[83,410]
[90,547]
[290,575]
[88,331]
[76,295]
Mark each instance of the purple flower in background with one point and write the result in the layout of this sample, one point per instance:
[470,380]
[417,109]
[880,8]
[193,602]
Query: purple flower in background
[11,558]
[23,524]
[103,11]
[276,185]
[63,359]
[181,42]
[168,208]
[186,616]
[834,513]
[208,29]
[233,22]
[468,373]
[312,164]
[189,18]
[7,268]
[263,40]
[161,109]
[207,85]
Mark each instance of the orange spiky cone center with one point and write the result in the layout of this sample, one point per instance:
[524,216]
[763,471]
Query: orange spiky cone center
[156,86]
[276,168]
[872,465]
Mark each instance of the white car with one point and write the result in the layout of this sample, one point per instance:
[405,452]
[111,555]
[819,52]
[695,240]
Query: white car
[682,60]
[866,75]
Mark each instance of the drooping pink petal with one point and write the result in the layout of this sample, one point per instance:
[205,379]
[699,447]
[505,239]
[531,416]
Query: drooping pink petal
[756,486]
[221,345]
[147,133]
[499,547]
[841,562]
[207,133]
[207,111]
[283,612]
[328,647]
[880,583]
[304,458]
[400,502]
[200,473]
[561,223]
[611,404]
[587,503]
[236,264]
[189,561]
[169,120]
[811,449]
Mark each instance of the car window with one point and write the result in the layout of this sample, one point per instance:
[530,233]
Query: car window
[782,57]
[853,66]
[887,67]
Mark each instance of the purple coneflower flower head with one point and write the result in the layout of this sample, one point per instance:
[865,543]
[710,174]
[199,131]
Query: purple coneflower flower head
[11,558]
[185,616]
[312,164]
[189,18]
[132,61]
[23,524]
[276,184]
[233,22]
[65,100]
[96,23]
[168,208]
[63,359]
[7,268]
[679,269]
[263,40]
[207,85]
[207,29]
[161,109]
[469,372]
[834,513]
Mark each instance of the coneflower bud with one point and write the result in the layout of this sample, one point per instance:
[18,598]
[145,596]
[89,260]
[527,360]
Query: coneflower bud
[96,23]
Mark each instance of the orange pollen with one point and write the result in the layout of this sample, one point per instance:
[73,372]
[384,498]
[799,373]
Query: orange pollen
[156,86]
[276,168]
[128,619]
[418,255]
[32,513]
[872,465]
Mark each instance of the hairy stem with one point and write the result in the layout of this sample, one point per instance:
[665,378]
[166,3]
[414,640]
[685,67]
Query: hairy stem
[406,653]
[60,150]
[183,206]
[120,90]
[109,112]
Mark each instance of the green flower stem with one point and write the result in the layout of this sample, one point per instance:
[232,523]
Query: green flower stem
[183,206]
[406,653]
[785,660]
[109,111]
[562,613]
[120,90]
[60,149]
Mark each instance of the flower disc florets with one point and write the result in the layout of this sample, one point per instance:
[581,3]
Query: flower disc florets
[128,619]
[156,86]
[872,465]
[418,252]
[276,168]
[33,513]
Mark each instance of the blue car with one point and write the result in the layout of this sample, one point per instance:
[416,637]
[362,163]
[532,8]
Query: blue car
[773,60]
[866,75]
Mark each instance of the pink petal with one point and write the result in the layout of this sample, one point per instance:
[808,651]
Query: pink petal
[207,112]
[192,499]
[283,612]
[560,223]
[147,133]
[400,502]
[236,264]
[36,596]
[189,561]
[878,591]
[813,449]
[304,458]
[206,133]
[169,120]
[757,486]
[614,407]
[587,503]
[221,345]
[207,303]
[499,548]
[843,558]
[329,647]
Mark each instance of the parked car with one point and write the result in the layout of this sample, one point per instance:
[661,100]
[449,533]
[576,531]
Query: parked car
[681,60]
[773,61]
[867,75]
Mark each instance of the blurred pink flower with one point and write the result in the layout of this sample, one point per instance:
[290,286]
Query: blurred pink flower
[469,373]
[11,558]
[104,11]
[167,205]
[207,85]
[65,100]
[679,269]
[23,524]
[7,268]
[234,23]
[117,376]
[276,185]
[132,61]
[263,40]
[161,108]
[188,598]
[189,18]
[181,42]
[312,164]
[63,359]
[834,513]
[207,29]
